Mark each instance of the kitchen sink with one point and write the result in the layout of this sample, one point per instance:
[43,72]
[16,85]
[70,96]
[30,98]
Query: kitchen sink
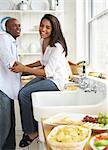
[48,103]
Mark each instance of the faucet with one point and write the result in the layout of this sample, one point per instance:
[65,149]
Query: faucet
[81,62]
[94,88]
[83,82]
[87,86]
[91,88]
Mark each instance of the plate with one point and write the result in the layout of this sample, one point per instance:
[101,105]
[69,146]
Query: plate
[5,5]
[97,128]
[73,118]
[93,139]
[39,5]
[64,118]
[2,23]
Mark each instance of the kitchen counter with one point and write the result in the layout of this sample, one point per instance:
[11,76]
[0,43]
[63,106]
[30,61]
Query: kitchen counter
[26,79]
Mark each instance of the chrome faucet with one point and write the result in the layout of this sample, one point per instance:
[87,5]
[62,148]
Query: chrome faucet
[83,82]
[86,84]
[91,88]
[94,88]
[81,62]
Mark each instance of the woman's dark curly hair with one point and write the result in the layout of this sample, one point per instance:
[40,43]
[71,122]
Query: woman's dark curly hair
[56,35]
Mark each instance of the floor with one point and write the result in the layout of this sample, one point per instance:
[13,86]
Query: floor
[34,145]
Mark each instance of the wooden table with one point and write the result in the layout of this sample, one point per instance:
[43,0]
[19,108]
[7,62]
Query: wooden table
[47,129]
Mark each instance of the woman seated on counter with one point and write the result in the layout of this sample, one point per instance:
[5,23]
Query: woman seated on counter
[52,74]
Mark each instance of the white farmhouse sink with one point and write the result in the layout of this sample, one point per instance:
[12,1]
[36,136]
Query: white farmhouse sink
[48,103]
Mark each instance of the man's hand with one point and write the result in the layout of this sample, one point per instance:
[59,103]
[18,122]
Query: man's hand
[17,67]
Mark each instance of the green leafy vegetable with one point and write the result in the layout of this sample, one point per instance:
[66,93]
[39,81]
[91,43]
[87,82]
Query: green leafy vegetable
[101,143]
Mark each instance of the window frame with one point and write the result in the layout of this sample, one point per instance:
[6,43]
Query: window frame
[89,20]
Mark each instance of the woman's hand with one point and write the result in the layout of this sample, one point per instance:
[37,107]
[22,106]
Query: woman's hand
[17,67]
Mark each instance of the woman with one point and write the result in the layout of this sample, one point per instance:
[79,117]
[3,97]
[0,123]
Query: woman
[51,72]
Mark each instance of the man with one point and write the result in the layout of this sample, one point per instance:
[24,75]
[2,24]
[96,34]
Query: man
[9,84]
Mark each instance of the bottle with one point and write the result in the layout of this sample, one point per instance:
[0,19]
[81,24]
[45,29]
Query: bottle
[22,5]
[52,4]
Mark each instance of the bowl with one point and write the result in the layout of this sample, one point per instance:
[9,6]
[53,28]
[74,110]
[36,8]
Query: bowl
[99,128]
[98,138]
[68,137]
[96,127]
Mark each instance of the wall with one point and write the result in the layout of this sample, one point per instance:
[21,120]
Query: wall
[70,27]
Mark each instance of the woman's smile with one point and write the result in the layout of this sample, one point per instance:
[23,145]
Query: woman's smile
[45,29]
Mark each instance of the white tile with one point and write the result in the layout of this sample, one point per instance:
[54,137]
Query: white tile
[18,138]
[36,146]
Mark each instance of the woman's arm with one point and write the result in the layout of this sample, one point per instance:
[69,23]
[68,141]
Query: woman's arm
[35,71]
[35,64]
[26,69]
[32,65]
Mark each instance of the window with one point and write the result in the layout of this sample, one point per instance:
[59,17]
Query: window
[98,34]
[97,7]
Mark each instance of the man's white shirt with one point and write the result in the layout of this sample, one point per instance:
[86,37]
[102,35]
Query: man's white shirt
[10,82]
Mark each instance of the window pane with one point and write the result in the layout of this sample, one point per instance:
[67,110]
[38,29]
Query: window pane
[99,44]
[98,6]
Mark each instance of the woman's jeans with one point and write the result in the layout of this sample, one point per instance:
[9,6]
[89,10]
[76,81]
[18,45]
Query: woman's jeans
[29,125]
[7,123]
